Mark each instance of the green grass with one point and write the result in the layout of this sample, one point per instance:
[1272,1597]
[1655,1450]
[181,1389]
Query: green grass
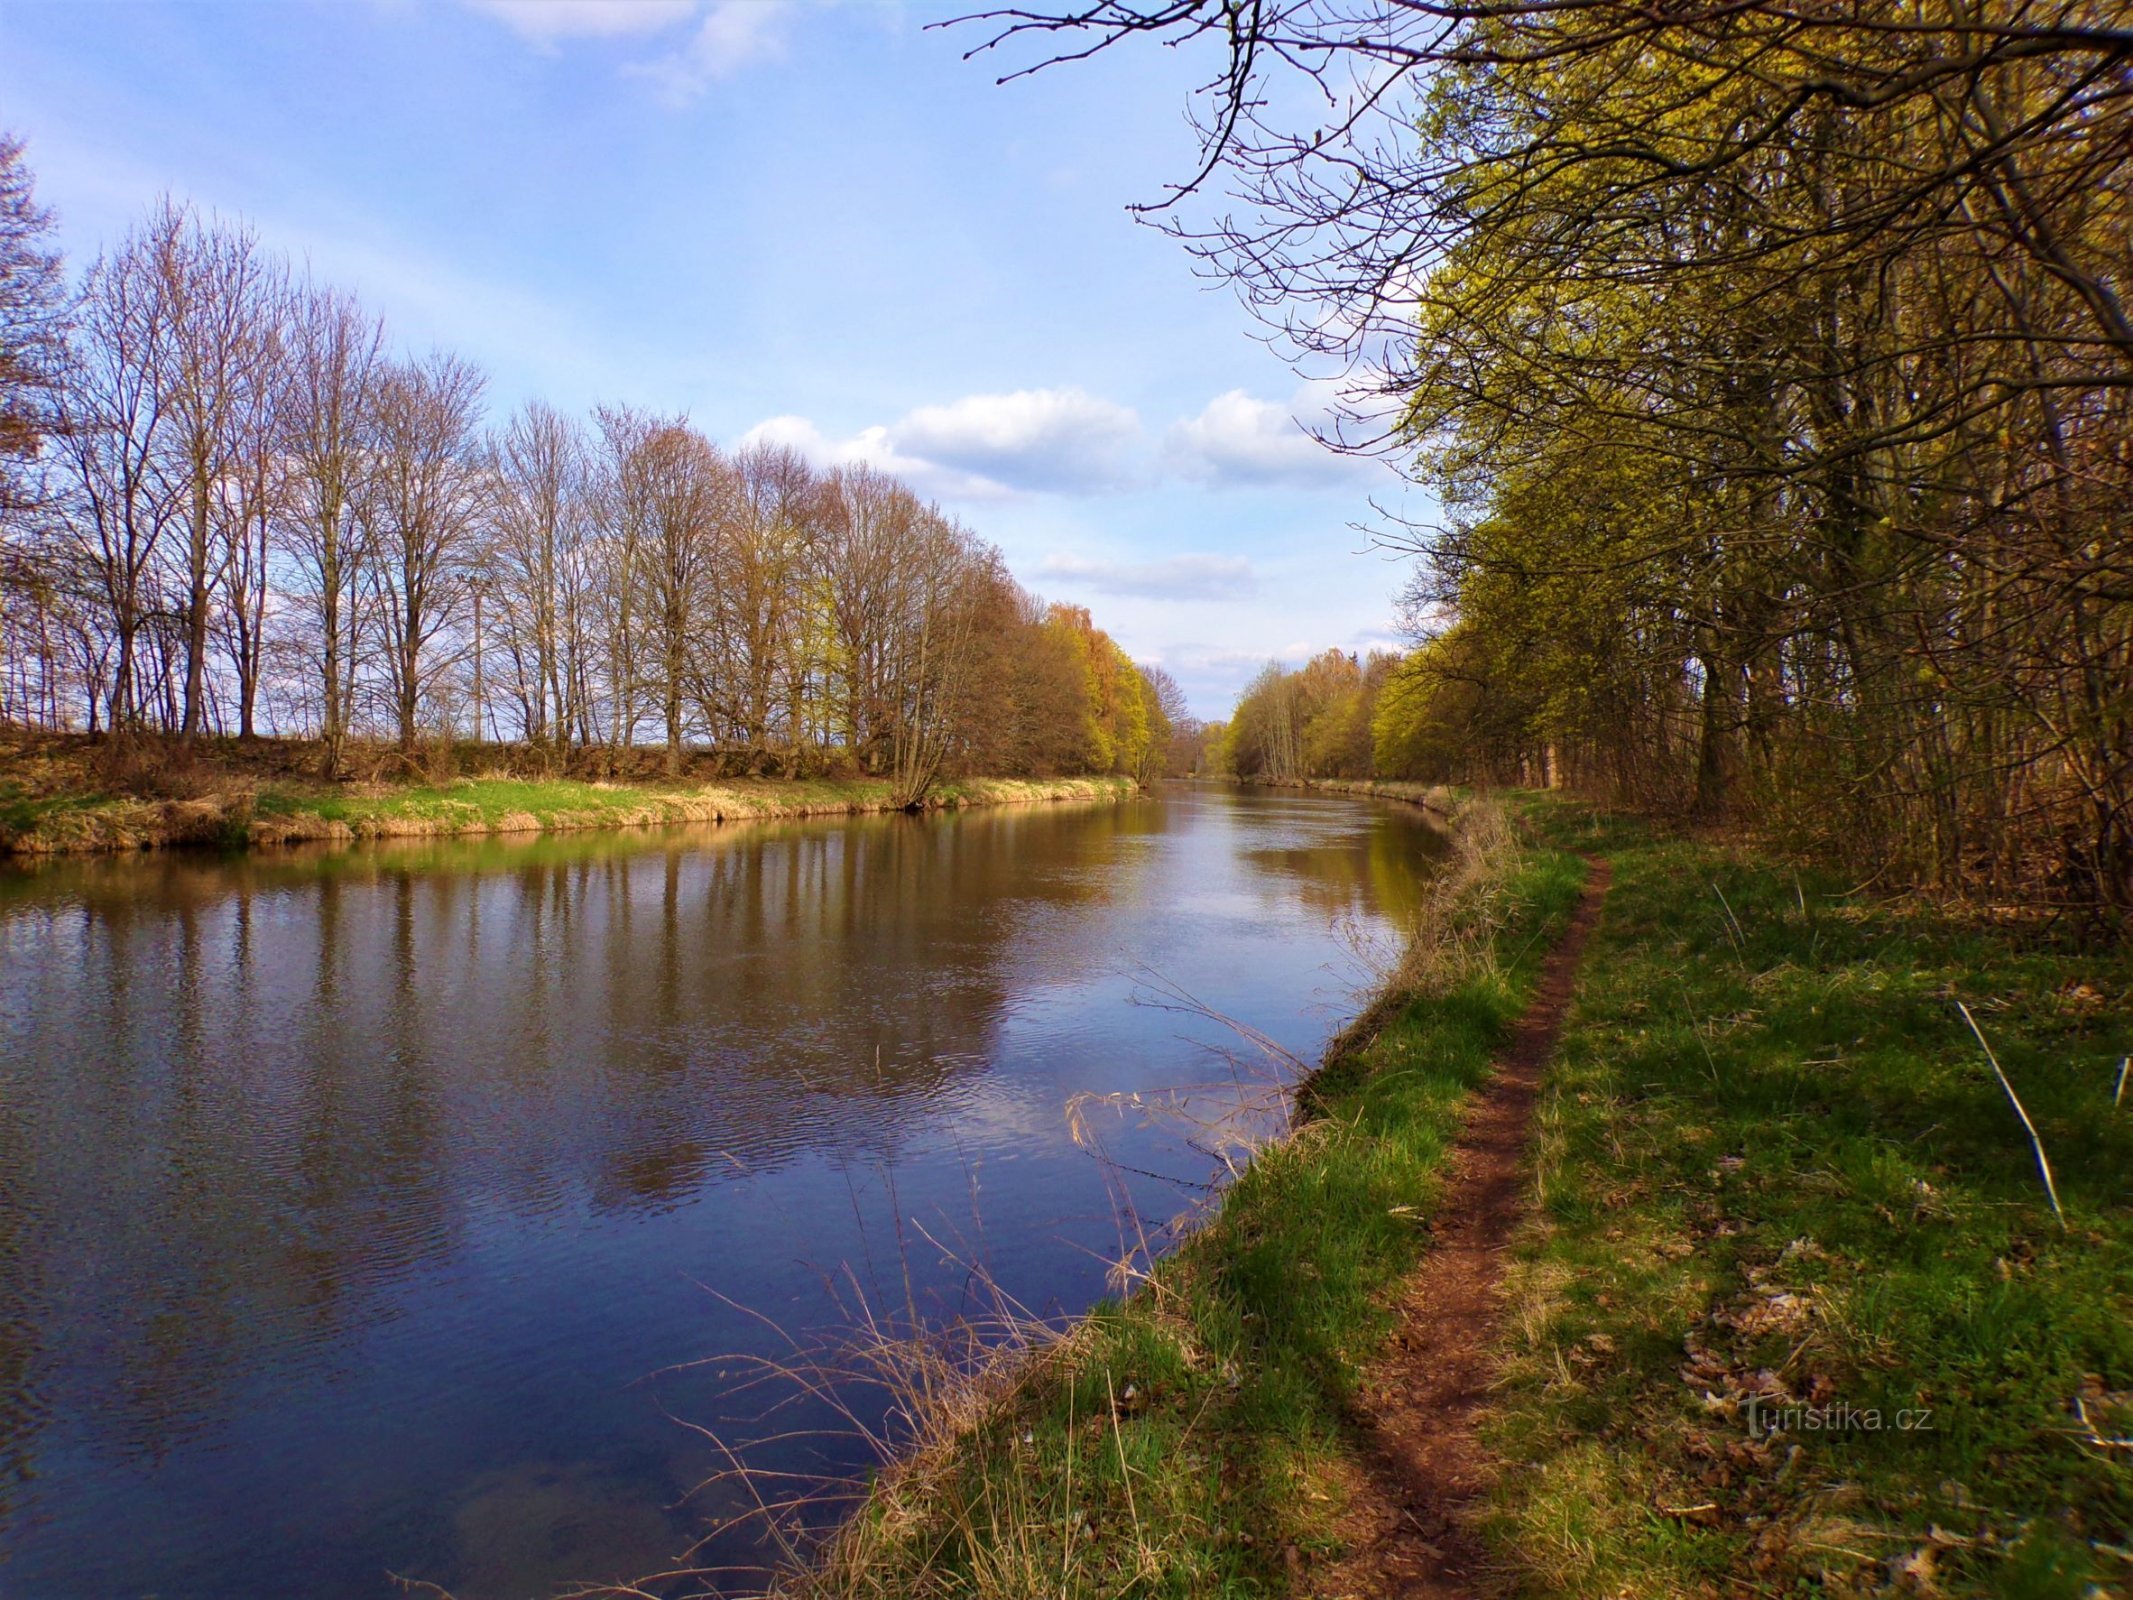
[1775,1161]
[275,811]
[1772,1162]
[491,802]
[22,811]
[1241,1352]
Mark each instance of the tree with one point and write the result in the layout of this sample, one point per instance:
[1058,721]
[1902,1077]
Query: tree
[537,502]
[928,667]
[32,328]
[1778,358]
[212,368]
[867,526]
[331,367]
[32,363]
[265,521]
[250,496]
[419,503]
[761,603]
[113,429]
[670,500]
[1175,752]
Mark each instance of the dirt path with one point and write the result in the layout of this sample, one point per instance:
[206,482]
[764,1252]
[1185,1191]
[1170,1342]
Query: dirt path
[1419,1405]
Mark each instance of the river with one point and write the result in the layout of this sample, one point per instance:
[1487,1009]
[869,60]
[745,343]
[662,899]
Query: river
[373,1211]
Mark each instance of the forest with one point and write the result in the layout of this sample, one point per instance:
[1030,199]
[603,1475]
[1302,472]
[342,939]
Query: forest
[230,507]
[1771,366]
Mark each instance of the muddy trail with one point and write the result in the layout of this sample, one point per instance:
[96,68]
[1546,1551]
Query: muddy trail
[1418,1409]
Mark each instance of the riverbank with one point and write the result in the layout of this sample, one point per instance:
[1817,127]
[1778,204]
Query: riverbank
[1440,800]
[1195,1438]
[60,805]
[1790,1308]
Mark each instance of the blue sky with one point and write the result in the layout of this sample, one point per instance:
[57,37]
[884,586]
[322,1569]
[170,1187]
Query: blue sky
[791,218]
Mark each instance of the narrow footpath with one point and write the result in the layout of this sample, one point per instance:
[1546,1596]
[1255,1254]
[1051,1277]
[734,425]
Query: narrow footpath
[1419,1406]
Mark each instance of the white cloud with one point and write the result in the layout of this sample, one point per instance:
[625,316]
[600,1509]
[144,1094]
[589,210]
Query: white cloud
[874,448]
[985,446]
[1237,439]
[1186,577]
[727,36]
[547,21]
[1068,441]
[795,433]
[733,34]
[1030,439]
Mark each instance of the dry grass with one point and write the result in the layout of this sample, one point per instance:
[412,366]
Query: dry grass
[1454,935]
[1465,906]
[934,1401]
[914,1391]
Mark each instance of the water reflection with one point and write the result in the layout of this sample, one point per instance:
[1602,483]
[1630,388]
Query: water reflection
[348,1199]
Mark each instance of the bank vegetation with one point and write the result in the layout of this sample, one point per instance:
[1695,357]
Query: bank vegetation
[71,796]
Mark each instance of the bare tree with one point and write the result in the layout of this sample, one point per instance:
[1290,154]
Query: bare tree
[686,491]
[218,289]
[761,603]
[251,492]
[32,362]
[330,368]
[622,520]
[114,428]
[1173,734]
[537,527]
[866,527]
[419,506]
[929,662]
[32,326]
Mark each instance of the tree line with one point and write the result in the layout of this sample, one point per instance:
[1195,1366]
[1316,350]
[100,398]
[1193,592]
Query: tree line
[1773,365]
[1315,721]
[229,506]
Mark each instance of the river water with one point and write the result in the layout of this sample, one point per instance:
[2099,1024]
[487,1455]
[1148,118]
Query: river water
[374,1211]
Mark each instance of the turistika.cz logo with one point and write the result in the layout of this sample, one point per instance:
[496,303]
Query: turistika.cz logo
[1765,1418]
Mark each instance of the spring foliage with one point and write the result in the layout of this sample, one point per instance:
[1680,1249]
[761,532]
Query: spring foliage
[1772,366]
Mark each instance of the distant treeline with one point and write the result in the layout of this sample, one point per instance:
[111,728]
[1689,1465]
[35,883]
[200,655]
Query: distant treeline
[1381,715]
[1313,722]
[227,506]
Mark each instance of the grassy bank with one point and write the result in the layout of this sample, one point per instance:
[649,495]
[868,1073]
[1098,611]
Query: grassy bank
[1191,1439]
[1780,1177]
[61,802]
[1793,1313]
